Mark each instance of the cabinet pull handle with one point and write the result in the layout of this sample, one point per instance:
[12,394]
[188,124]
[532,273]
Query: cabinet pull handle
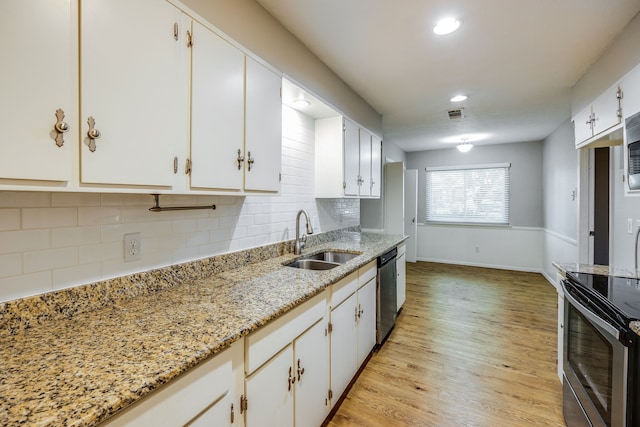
[187,167]
[61,127]
[93,133]
[175,165]
[291,380]
[360,311]
[300,371]
[240,159]
[232,415]
[175,31]
[189,39]
[249,161]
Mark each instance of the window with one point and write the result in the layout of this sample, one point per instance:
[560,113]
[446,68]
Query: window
[469,194]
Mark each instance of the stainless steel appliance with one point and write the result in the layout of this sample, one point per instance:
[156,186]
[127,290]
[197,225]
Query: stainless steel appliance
[600,351]
[387,294]
[632,128]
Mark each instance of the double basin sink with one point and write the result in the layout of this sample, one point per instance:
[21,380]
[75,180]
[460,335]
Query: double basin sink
[323,260]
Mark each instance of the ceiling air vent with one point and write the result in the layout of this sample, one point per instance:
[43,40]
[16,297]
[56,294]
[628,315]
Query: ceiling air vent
[455,114]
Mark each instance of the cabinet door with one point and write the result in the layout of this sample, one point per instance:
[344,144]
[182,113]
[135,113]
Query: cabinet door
[366,320]
[263,139]
[217,415]
[376,165]
[631,86]
[312,375]
[270,393]
[133,73]
[343,345]
[37,69]
[365,163]
[217,111]
[401,283]
[351,158]
[606,111]
[582,125]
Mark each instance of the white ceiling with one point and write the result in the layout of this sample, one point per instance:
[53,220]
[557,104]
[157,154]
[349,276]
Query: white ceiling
[516,60]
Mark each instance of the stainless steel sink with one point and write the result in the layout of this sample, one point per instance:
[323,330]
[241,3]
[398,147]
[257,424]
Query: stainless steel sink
[333,256]
[313,264]
[323,260]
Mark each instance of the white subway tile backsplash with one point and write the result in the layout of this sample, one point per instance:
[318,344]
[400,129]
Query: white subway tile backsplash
[77,238]
[76,275]
[100,215]
[50,259]
[75,199]
[10,219]
[49,217]
[28,199]
[24,241]
[25,285]
[10,265]
[74,236]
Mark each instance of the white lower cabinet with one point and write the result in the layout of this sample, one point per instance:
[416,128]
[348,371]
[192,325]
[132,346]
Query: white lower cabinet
[559,279]
[291,387]
[401,268]
[352,326]
[203,396]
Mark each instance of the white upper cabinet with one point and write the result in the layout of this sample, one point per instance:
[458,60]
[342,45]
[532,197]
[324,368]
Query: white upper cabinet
[263,131]
[347,160]
[36,87]
[365,163]
[631,99]
[134,98]
[351,158]
[217,112]
[376,165]
[603,114]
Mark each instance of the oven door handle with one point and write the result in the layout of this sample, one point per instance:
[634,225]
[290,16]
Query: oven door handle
[597,320]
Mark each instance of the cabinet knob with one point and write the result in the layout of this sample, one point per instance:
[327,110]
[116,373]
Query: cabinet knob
[93,133]
[61,127]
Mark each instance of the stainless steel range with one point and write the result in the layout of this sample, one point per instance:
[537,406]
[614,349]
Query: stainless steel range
[601,374]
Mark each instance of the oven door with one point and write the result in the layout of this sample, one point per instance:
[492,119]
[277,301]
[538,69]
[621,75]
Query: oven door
[595,365]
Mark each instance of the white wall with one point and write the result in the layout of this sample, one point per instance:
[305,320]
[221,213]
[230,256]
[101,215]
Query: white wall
[560,180]
[55,240]
[510,248]
[526,175]
[518,247]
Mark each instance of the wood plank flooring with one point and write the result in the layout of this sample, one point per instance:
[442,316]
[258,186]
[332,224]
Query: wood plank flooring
[472,347]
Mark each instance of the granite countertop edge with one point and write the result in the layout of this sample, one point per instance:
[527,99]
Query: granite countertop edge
[82,370]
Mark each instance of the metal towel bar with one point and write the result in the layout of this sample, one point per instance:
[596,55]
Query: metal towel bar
[158,208]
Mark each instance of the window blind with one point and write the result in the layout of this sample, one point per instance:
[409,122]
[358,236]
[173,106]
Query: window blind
[468,194]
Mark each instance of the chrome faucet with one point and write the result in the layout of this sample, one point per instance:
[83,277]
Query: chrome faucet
[300,240]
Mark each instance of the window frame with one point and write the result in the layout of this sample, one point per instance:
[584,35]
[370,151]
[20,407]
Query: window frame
[507,194]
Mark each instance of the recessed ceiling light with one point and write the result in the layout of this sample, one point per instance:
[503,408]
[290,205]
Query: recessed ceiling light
[301,103]
[458,98]
[447,26]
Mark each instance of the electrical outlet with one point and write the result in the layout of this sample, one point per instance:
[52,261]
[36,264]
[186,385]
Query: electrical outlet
[132,247]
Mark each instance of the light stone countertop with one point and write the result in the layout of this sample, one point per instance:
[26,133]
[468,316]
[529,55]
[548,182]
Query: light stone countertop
[78,369]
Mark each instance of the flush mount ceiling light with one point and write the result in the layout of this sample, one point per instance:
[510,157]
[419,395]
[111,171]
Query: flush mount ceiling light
[301,103]
[465,146]
[458,98]
[447,26]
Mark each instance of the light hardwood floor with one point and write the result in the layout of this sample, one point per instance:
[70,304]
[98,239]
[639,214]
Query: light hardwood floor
[472,347]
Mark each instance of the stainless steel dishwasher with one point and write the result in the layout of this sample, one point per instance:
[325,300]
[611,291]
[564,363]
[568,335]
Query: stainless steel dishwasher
[387,294]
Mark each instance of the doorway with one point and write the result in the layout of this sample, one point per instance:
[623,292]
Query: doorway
[601,197]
